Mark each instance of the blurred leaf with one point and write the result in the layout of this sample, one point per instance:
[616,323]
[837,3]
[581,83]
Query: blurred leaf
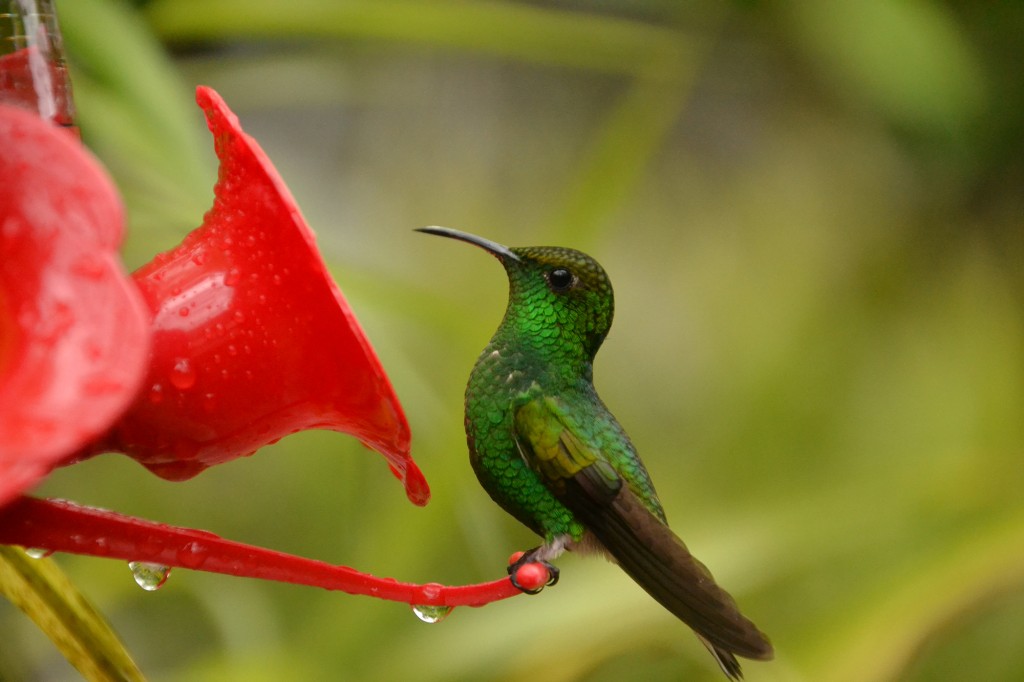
[137,115]
[993,627]
[40,589]
[881,639]
[506,29]
[621,150]
[909,59]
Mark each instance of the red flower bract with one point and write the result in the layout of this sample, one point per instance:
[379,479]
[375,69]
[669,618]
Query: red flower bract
[73,328]
[252,340]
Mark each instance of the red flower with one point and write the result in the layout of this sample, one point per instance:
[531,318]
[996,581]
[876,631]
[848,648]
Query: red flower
[252,340]
[74,331]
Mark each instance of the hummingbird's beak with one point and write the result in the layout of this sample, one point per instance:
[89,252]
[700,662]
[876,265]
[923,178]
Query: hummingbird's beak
[500,251]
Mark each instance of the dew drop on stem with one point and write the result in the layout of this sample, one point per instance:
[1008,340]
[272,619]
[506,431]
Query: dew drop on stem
[149,577]
[432,614]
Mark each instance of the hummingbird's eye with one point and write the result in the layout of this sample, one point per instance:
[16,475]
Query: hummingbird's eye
[560,279]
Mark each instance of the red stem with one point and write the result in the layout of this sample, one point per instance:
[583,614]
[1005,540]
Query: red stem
[63,526]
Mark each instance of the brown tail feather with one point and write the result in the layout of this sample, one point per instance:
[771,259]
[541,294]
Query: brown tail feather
[647,549]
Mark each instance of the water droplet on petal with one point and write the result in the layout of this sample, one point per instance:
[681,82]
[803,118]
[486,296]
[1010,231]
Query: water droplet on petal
[193,555]
[183,377]
[38,552]
[149,577]
[432,614]
[101,546]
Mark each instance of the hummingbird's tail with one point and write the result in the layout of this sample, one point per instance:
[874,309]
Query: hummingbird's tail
[650,553]
[725,659]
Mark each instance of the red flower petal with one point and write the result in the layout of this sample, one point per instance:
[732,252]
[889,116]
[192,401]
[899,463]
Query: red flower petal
[252,340]
[73,330]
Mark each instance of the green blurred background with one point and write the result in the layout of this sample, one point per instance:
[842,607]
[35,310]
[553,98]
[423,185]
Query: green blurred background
[812,214]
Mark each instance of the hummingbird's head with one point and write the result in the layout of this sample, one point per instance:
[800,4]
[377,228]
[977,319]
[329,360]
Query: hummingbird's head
[558,296]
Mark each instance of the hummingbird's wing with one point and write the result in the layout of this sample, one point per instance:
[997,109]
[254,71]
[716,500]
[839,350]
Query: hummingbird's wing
[586,482]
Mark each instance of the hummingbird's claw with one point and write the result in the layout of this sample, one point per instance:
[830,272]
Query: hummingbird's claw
[528,558]
[552,573]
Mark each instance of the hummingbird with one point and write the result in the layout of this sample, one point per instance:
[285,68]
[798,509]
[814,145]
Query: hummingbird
[547,450]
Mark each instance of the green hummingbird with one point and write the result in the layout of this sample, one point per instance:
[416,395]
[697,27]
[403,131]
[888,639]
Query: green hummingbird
[545,447]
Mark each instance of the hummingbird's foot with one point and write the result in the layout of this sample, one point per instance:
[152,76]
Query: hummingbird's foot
[528,581]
